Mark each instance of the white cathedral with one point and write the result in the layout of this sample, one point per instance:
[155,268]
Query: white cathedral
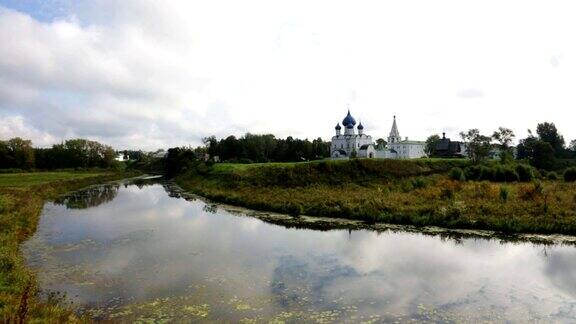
[352,144]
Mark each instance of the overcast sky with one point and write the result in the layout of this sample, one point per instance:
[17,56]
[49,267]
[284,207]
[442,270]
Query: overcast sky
[151,74]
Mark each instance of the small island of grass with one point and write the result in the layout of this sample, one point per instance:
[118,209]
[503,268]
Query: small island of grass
[511,197]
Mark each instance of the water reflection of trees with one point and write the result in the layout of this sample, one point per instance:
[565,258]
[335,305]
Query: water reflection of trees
[142,182]
[98,195]
[89,197]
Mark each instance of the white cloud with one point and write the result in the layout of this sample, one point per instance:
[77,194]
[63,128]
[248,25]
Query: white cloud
[16,127]
[156,74]
[470,93]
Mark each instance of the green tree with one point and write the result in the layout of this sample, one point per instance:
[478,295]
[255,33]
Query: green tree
[525,146]
[264,148]
[477,145]
[542,155]
[431,143]
[108,156]
[504,137]
[21,153]
[381,143]
[547,132]
[5,157]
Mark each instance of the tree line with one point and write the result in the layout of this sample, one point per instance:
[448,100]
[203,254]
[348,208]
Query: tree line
[546,149]
[266,148]
[18,153]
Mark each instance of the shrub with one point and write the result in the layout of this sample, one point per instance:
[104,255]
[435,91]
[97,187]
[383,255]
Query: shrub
[406,186]
[473,172]
[294,210]
[418,183]
[325,167]
[570,174]
[500,173]
[504,174]
[525,172]
[457,174]
[486,173]
[538,187]
[504,193]
[245,161]
[479,172]
[552,175]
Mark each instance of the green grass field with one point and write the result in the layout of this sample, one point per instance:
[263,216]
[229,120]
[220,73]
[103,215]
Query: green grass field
[232,167]
[239,167]
[25,180]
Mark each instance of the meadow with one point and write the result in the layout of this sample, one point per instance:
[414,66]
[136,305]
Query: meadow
[22,196]
[424,192]
[26,180]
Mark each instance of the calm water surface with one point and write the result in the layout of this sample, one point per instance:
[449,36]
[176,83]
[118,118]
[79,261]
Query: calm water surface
[140,252]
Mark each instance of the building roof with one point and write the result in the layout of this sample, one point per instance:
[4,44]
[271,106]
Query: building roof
[413,142]
[349,120]
[338,127]
[443,144]
[394,131]
[360,126]
[447,147]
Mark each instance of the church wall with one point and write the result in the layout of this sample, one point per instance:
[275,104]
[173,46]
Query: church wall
[349,143]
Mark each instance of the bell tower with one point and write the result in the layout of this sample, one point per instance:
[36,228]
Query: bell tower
[394,136]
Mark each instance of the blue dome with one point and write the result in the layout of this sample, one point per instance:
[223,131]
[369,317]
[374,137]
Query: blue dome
[338,126]
[349,120]
[360,126]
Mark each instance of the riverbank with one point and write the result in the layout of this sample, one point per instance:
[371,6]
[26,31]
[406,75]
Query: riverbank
[419,193]
[22,196]
[320,223]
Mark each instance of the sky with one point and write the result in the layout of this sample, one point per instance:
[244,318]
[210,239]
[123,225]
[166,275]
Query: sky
[144,74]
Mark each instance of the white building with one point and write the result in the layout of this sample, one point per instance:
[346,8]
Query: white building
[121,157]
[351,144]
[396,148]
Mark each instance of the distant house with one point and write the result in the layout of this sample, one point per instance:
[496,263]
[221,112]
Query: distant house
[122,157]
[447,148]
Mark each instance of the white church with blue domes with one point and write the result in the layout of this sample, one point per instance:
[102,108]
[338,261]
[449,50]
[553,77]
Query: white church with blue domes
[351,143]
[354,143]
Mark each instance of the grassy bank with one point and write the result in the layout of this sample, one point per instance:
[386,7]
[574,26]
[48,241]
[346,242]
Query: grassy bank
[22,197]
[420,192]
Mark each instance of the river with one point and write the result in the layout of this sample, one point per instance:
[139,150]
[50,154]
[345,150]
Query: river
[137,250]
